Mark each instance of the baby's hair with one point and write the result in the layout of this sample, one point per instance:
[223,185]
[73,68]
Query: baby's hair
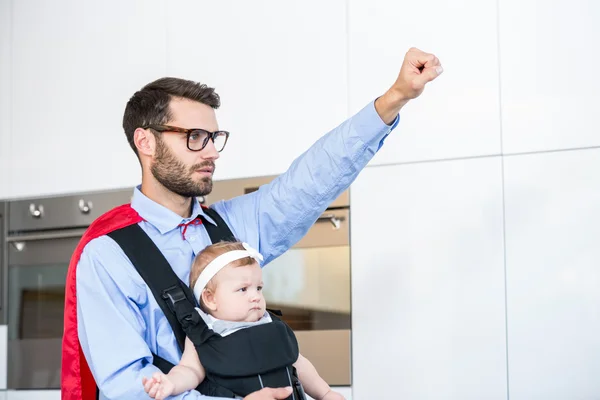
[210,253]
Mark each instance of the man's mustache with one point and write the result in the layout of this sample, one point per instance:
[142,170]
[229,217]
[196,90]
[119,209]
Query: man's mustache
[203,165]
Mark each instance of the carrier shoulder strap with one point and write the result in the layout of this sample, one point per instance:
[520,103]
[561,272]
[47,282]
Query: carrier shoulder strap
[173,296]
[218,232]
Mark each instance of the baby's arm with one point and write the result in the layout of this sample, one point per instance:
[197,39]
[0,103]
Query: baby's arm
[188,374]
[185,376]
[313,384]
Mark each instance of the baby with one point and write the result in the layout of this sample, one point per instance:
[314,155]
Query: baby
[227,282]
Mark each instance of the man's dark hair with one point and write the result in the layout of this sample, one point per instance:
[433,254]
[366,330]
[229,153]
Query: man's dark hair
[150,105]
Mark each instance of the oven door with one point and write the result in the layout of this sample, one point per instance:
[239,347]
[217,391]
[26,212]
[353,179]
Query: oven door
[37,270]
[310,284]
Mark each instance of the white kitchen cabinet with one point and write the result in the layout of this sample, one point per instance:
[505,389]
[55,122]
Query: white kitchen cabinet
[32,395]
[458,114]
[5,27]
[550,95]
[74,67]
[428,304]
[279,67]
[3,357]
[553,279]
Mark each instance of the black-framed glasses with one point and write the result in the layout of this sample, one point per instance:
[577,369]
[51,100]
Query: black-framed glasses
[197,139]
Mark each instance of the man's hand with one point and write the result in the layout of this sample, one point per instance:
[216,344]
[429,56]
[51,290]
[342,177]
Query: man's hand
[270,394]
[418,68]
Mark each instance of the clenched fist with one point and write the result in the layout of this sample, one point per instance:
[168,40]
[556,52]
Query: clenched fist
[418,68]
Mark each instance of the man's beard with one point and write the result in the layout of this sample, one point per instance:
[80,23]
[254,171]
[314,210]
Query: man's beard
[172,173]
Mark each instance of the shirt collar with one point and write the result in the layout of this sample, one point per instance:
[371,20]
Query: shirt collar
[160,216]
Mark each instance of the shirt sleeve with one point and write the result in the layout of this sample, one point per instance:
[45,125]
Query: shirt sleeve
[279,214]
[110,325]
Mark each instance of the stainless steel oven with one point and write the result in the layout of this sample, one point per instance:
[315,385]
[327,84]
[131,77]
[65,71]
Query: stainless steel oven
[310,284]
[41,236]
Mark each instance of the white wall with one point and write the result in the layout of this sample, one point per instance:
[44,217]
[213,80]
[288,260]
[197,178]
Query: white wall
[476,277]
[74,66]
[485,258]
[279,67]
[5,103]
[458,116]
[548,102]
[551,213]
[553,279]
[428,281]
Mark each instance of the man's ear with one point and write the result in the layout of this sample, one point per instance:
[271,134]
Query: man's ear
[145,141]
[208,298]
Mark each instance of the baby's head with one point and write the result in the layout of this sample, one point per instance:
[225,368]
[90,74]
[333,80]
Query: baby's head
[227,282]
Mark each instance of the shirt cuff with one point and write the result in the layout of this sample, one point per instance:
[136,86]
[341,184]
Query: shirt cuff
[394,122]
[371,127]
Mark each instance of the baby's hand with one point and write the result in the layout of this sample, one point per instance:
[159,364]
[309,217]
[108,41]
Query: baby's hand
[158,387]
[331,395]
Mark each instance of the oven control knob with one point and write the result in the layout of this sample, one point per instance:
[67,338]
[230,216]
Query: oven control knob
[36,211]
[85,206]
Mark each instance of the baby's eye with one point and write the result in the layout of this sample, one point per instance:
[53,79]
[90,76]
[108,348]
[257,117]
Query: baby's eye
[242,289]
[260,288]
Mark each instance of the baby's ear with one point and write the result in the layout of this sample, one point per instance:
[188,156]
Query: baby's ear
[208,299]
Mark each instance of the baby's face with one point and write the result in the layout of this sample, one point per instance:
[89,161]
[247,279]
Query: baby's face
[238,293]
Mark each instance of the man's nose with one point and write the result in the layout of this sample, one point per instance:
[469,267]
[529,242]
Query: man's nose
[209,152]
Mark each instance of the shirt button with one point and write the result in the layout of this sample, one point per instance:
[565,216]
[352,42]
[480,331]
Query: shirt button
[192,238]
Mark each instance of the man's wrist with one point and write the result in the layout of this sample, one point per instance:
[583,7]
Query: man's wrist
[388,106]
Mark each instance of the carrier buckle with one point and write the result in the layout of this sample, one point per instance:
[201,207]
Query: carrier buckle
[174,294]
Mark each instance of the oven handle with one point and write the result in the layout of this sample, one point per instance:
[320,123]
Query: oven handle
[335,221]
[71,233]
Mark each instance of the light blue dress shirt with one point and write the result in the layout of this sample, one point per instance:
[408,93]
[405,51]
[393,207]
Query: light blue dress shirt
[119,322]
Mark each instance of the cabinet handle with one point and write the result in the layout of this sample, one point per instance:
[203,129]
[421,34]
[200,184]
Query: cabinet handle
[85,206]
[335,221]
[36,211]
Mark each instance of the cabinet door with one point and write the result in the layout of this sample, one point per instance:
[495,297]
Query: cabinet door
[458,115]
[553,279]
[3,356]
[5,90]
[32,395]
[75,65]
[428,303]
[550,91]
[279,67]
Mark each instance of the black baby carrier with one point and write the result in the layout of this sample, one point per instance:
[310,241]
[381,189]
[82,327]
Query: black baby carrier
[236,365]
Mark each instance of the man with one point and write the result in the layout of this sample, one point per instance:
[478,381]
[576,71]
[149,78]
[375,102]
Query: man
[113,324]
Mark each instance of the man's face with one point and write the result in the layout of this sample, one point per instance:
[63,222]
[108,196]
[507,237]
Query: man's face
[180,170]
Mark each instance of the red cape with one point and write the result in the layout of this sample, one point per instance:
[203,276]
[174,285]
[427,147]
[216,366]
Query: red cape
[77,382]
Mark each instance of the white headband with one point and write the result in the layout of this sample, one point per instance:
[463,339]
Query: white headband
[218,263]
